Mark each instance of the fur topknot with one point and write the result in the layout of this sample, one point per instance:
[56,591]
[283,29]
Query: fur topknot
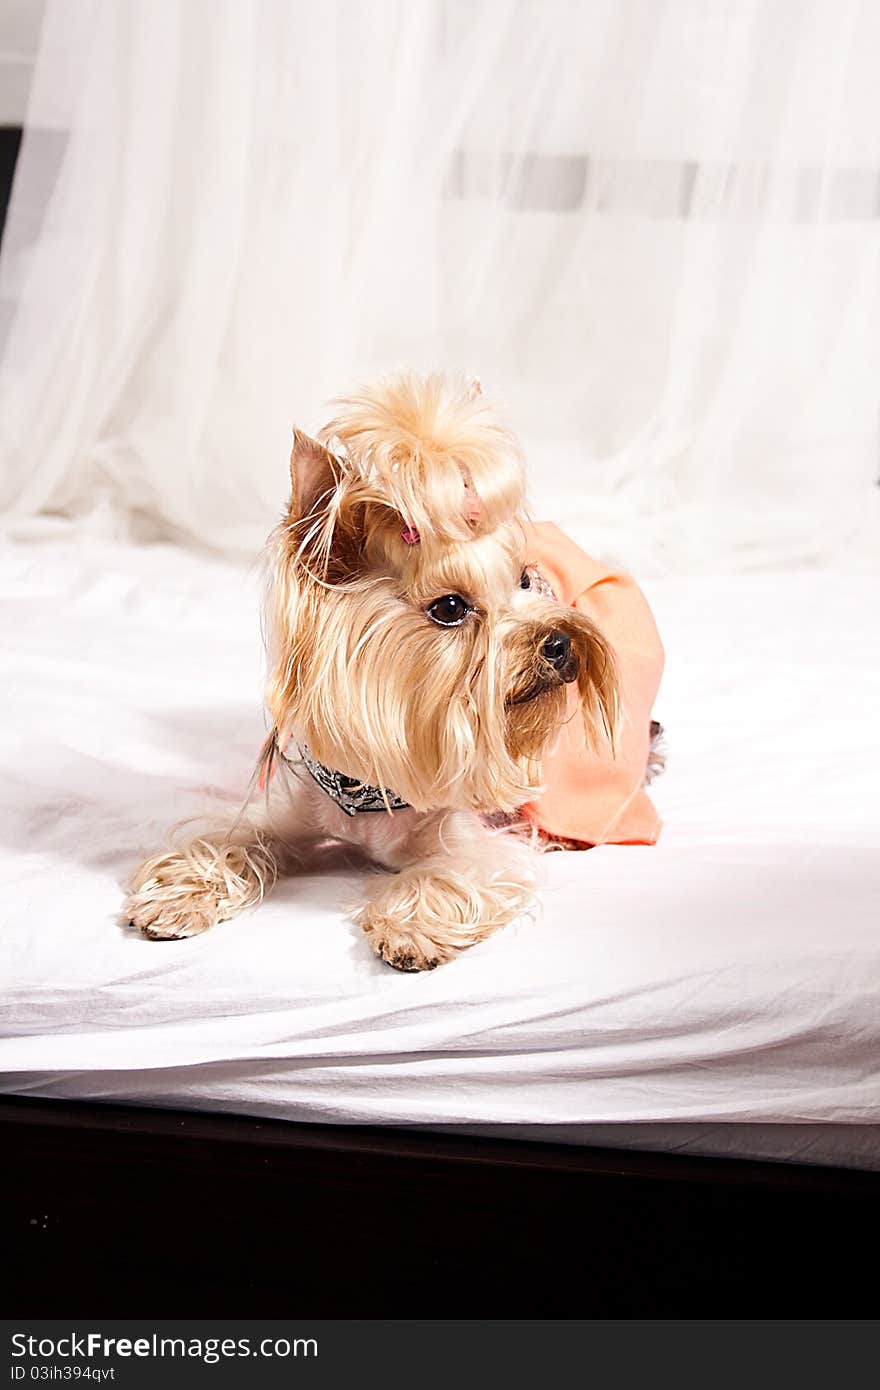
[433,450]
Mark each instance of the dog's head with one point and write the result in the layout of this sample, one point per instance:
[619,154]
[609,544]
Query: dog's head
[412,648]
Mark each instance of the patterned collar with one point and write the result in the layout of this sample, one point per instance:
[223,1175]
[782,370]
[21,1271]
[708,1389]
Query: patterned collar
[350,795]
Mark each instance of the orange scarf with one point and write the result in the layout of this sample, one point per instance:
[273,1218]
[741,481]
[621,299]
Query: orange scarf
[590,797]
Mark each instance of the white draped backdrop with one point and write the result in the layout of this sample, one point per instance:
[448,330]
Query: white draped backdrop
[649,226]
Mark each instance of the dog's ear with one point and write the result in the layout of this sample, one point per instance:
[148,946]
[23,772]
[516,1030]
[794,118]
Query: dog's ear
[322,523]
[314,475]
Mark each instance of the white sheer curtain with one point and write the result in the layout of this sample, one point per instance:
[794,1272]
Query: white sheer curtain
[650,228]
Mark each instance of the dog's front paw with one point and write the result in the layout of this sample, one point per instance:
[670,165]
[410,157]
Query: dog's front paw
[165,909]
[185,891]
[419,918]
[161,920]
[403,947]
[171,898]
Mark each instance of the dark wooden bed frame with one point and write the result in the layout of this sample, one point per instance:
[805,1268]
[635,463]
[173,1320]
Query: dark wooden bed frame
[117,1211]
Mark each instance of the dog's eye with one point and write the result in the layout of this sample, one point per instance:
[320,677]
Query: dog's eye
[449,611]
[525,580]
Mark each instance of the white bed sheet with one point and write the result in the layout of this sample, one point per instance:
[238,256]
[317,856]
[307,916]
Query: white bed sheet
[710,993]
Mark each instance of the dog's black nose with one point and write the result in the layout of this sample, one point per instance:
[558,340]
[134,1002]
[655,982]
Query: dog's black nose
[556,649]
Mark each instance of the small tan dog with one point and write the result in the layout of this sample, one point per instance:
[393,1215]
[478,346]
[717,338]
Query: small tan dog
[420,670]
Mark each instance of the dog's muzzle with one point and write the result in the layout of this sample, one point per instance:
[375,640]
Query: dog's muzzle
[555,651]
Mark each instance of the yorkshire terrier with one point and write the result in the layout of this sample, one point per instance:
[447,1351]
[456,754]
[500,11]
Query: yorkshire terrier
[419,668]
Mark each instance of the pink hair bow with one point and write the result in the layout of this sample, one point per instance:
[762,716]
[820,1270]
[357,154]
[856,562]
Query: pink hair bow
[410,535]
